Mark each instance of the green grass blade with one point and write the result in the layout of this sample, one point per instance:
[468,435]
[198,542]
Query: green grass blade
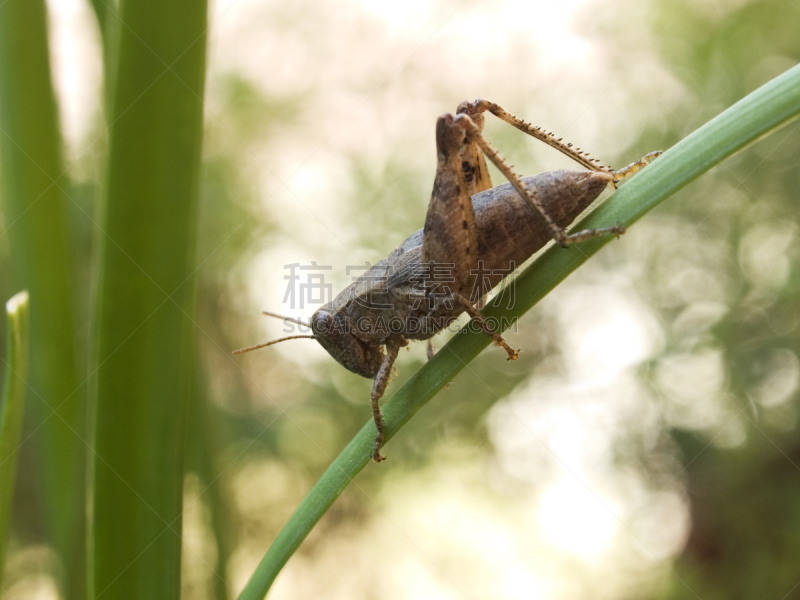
[12,404]
[36,211]
[143,345]
[767,108]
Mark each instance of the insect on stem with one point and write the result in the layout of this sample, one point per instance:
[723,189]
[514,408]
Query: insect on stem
[472,229]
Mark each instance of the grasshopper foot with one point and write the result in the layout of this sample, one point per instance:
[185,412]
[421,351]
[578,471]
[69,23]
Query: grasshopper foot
[376,450]
[634,167]
[512,354]
[376,453]
[616,231]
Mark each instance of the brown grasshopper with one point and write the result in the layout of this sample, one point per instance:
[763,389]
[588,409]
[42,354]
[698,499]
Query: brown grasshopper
[474,236]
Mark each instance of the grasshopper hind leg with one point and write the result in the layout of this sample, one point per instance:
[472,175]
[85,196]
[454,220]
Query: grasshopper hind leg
[472,121]
[530,194]
[481,105]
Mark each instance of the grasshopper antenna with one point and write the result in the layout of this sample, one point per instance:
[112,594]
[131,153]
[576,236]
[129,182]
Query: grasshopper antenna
[290,319]
[265,344]
[291,337]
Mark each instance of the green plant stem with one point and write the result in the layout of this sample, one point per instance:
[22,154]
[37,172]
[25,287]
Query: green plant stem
[764,110]
[12,404]
[37,216]
[143,345]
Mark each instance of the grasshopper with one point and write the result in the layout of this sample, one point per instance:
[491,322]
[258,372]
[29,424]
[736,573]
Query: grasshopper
[473,238]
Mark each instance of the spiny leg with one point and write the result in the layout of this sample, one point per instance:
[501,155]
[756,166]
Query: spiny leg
[481,105]
[530,194]
[476,315]
[378,388]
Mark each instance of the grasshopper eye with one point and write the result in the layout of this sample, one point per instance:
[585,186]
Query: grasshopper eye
[321,322]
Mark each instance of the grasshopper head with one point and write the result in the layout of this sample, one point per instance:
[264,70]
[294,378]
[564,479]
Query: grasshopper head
[343,345]
[332,333]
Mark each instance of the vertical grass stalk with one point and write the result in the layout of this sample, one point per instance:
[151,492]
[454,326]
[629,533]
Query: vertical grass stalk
[36,212]
[12,404]
[144,324]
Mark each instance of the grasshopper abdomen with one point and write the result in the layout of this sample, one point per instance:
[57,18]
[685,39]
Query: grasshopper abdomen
[510,231]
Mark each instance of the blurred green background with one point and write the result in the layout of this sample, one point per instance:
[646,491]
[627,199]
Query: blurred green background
[646,442]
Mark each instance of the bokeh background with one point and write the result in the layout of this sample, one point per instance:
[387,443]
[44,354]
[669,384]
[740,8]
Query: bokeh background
[646,443]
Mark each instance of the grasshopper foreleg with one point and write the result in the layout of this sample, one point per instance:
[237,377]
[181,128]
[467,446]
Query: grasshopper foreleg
[378,388]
